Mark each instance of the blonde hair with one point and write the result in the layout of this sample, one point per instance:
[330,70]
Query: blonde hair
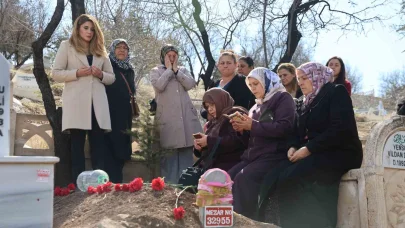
[292,69]
[96,46]
[228,52]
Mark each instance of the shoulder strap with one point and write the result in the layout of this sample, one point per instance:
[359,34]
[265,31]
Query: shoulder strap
[126,82]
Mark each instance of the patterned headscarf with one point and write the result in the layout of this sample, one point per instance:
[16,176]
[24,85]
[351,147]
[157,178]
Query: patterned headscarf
[165,49]
[319,76]
[124,64]
[269,80]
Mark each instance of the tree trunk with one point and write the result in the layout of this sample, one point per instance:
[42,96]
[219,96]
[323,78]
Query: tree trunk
[294,35]
[206,77]
[266,60]
[61,142]
[78,8]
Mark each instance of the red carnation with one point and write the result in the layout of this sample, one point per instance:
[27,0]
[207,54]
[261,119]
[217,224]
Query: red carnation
[57,191]
[125,187]
[178,213]
[136,184]
[108,184]
[100,189]
[65,191]
[71,187]
[158,184]
[117,187]
[106,188]
[91,190]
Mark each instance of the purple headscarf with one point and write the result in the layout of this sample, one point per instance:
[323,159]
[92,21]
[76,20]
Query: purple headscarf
[319,76]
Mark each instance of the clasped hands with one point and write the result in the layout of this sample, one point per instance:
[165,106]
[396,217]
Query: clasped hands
[295,155]
[92,70]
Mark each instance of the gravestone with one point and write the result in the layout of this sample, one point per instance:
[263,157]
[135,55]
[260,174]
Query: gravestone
[4,107]
[25,85]
[384,171]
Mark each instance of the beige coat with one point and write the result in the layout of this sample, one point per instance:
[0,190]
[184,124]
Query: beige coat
[175,114]
[80,92]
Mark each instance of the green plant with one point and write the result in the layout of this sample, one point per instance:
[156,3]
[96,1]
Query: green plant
[147,136]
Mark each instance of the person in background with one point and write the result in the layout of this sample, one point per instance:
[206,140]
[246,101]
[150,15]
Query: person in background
[218,102]
[232,82]
[269,124]
[118,142]
[325,146]
[175,114]
[83,65]
[339,73]
[286,71]
[245,65]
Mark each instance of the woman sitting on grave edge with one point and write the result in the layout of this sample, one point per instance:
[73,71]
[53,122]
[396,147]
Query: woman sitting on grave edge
[325,146]
[270,122]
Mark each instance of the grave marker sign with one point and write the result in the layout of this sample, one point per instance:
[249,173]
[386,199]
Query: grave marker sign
[4,107]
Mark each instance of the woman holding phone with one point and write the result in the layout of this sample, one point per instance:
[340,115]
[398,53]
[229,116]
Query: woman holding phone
[219,104]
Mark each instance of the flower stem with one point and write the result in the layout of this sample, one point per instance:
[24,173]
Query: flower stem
[178,194]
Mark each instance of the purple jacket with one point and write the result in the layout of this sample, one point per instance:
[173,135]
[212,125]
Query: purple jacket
[273,123]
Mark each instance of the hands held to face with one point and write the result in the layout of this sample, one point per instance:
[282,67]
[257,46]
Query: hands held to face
[169,65]
[295,155]
[86,71]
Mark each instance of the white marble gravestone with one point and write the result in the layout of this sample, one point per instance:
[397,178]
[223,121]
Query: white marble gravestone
[26,194]
[384,171]
[4,107]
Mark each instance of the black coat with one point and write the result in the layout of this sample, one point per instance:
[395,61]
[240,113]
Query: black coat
[328,129]
[120,113]
[239,92]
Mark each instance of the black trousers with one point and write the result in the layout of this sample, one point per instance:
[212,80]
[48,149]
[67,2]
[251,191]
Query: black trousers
[114,166]
[96,140]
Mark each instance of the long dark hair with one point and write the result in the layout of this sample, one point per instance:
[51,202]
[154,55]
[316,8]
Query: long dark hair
[341,78]
[248,60]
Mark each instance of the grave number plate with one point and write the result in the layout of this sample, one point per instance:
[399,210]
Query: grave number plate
[218,216]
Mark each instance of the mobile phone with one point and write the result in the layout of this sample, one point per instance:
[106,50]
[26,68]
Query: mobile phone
[235,116]
[197,136]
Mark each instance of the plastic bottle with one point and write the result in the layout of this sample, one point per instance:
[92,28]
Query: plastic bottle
[91,178]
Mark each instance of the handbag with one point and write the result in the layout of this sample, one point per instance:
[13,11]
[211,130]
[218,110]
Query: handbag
[134,105]
[153,107]
[191,175]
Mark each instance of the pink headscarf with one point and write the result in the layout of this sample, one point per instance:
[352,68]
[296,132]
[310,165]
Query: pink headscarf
[319,76]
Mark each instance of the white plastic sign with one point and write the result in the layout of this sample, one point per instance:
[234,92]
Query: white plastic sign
[4,107]
[218,216]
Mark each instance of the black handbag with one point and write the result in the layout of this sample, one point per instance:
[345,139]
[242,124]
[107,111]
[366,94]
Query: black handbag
[191,175]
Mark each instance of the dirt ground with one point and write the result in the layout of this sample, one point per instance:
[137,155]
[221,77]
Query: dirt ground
[145,208]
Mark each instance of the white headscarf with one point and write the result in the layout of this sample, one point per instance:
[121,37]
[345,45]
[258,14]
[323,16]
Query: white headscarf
[269,80]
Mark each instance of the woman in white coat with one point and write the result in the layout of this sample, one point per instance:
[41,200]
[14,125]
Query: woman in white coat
[83,65]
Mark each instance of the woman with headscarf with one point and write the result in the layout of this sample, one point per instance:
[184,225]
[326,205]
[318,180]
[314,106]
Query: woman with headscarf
[270,122]
[118,142]
[175,114]
[325,146]
[231,146]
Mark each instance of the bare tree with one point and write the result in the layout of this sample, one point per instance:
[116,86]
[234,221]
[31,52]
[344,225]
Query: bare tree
[355,78]
[392,85]
[54,114]
[62,175]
